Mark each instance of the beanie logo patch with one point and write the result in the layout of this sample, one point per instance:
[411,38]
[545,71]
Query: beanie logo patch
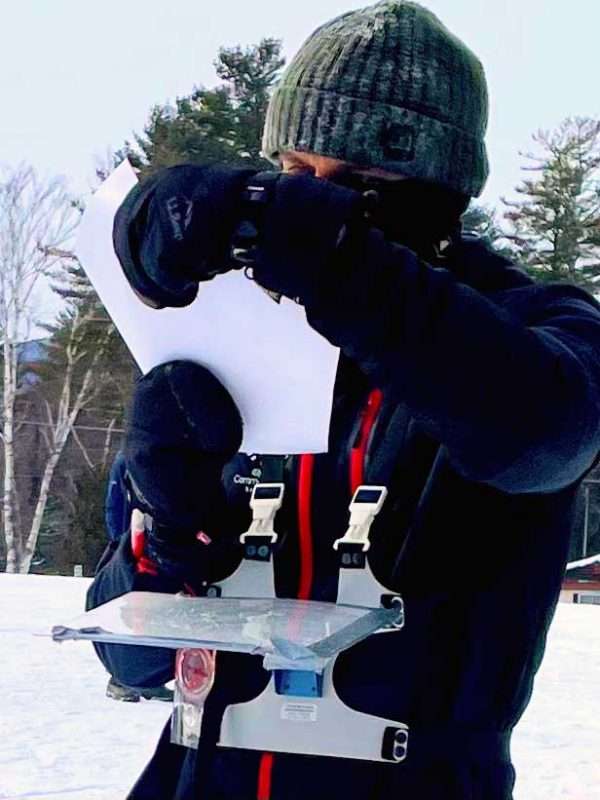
[398,142]
[179,212]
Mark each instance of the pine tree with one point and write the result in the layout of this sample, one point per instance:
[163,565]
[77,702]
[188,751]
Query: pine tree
[250,74]
[483,222]
[223,124]
[87,537]
[556,223]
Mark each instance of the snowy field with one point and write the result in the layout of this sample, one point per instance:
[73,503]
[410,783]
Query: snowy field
[62,738]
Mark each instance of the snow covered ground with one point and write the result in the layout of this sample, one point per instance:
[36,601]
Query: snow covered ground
[60,737]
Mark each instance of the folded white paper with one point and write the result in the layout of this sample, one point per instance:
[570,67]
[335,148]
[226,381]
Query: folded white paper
[279,371]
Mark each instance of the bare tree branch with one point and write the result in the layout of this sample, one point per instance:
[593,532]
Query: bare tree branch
[36,218]
[77,440]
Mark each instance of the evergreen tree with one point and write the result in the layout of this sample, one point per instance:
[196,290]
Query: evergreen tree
[250,75]
[223,124]
[50,545]
[483,222]
[556,222]
[87,537]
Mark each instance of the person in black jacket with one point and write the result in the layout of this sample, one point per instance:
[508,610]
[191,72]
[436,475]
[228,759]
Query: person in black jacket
[469,391]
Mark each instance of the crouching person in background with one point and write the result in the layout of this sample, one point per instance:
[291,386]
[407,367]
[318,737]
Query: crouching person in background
[117,515]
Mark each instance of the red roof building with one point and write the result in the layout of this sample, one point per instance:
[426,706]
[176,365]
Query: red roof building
[581,583]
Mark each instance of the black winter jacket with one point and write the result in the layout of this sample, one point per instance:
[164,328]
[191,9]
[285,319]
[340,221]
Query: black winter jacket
[490,419]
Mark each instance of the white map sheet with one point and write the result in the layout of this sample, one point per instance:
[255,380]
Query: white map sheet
[279,371]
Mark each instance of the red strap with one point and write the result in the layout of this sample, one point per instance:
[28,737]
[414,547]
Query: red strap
[138,542]
[143,564]
[265,771]
[359,450]
[305,483]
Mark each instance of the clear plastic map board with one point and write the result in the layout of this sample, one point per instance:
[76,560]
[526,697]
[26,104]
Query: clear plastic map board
[290,634]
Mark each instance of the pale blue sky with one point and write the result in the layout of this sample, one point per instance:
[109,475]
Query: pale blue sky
[77,77]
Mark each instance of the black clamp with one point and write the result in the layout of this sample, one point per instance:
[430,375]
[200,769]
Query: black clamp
[352,556]
[258,548]
[210,590]
[395,744]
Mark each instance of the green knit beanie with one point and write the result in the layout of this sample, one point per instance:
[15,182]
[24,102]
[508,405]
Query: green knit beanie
[387,86]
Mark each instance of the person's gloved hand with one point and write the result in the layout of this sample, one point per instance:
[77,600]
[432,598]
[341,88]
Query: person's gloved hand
[184,427]
[179,228]
[175,229]
[302,223]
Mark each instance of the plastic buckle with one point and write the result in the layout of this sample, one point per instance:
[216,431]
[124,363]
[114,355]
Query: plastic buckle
[395,745]
[366,503]
[265,502]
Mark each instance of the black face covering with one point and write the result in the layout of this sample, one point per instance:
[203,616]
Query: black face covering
[411,212]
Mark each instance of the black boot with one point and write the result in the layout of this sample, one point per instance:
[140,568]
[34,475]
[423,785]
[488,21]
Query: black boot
[157,693]
[117,691]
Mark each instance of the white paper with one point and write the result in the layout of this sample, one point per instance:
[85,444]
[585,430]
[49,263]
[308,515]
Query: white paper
[279,371]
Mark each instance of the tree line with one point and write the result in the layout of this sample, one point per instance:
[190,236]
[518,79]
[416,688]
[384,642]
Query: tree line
[64,398]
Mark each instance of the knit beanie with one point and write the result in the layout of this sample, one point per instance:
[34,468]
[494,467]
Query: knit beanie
[386,86]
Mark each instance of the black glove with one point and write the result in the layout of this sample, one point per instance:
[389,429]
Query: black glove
[302,221]
[184,428]
[174,230]
[179,227]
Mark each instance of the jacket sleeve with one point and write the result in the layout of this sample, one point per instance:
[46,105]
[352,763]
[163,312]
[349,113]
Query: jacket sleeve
[116,575]
[508,382]
[117,511]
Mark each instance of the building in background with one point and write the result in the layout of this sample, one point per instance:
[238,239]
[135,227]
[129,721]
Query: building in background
[581,583]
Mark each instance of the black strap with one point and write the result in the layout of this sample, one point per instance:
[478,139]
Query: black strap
[388,443]
[458,743]
[273,468]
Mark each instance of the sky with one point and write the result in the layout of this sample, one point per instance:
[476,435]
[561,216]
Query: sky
[78,77]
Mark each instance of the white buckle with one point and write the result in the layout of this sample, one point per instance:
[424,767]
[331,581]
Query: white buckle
[265,502]
[366,503]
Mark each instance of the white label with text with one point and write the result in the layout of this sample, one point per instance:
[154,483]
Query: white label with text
[299,712]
